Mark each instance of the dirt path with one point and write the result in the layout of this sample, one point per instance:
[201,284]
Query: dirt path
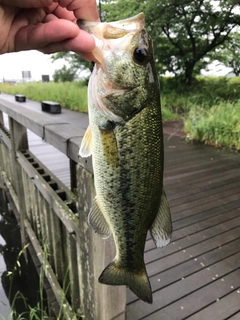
[174,128]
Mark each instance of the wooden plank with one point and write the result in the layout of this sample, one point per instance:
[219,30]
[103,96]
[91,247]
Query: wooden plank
[223,308]
[168,295]
[101,302]
[73,272]
[199,169]
[212,294]
[200,178]
[57,247]
[190,230]
[189,267]
[188,200]
[1,118]
[190,240]
[62,302]
[177,194]
[19,141]
[203,215]
[209,181]
[207,206]
[194,251]
[236,316]
[207,199]
[57,132]
[60,208]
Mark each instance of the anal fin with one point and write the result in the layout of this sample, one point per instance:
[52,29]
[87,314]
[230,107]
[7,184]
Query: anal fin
[98,222]
[161,228]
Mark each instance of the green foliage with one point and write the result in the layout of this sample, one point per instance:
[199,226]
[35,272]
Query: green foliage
[117,10]
[218,125]
[70,95]
[64,74]
[77,64]
[37,312]
[210,108]
[183,31]
[228,54]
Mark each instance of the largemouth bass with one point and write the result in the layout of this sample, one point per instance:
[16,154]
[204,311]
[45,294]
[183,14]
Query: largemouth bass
[125,139]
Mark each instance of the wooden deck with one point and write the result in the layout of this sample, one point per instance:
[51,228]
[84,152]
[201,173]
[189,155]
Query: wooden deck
[197,276]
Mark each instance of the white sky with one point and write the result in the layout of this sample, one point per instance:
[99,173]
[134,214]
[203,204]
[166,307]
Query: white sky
[12,65]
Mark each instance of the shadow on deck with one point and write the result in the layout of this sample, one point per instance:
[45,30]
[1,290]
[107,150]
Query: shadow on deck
[197,276]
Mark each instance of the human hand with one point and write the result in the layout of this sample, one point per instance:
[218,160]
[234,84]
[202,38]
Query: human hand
[46,25]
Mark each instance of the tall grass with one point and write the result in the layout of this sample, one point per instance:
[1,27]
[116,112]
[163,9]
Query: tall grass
[70,95]
[209,108]
[36,312]
[218,125]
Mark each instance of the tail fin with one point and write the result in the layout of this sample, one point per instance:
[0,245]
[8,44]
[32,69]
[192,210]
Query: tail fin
[137,282]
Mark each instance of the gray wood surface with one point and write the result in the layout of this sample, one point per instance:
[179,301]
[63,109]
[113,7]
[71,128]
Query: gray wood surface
[197,275]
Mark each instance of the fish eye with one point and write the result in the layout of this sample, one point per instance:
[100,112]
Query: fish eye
[140,55]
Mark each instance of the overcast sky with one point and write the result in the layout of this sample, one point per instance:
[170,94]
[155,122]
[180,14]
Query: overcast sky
[12,65]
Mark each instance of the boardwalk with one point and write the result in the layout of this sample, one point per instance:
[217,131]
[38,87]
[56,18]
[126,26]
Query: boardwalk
[197,276]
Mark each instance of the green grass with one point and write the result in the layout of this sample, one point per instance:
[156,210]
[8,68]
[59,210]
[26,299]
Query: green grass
[36,312]
[70,95]
[218,125]
[209,108]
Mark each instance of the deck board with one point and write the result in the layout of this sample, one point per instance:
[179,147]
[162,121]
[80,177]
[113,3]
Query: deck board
[195,273]
[197,276]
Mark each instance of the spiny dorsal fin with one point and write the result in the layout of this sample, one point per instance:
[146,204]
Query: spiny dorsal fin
[86,145]
[161,228]
[97,221]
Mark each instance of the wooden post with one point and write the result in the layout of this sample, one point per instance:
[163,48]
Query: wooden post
[1,156]
[73,175]
[99,301]
[19,141]
[1,118]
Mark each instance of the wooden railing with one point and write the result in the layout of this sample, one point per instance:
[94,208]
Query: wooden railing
[53,218]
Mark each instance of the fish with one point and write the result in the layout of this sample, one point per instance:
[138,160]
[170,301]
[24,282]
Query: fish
[125,140]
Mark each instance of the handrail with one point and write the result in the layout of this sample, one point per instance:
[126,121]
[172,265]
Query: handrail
[62,135]
[49,212]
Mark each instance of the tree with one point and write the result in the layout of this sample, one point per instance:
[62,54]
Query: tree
[64,74]
[229,53]
[183,31]
[77,65]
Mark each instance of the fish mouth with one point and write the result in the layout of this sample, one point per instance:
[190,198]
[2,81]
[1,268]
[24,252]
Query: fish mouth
[112,35]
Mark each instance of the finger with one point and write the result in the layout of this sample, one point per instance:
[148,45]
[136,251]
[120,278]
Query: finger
[50,17]
[81,43]
[60,35]
[28,3]
[60,12]
[84,9]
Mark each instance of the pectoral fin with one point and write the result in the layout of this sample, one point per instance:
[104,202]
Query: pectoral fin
[161,228]
[97,221]
[86,145]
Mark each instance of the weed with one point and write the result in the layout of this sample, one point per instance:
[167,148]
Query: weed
[209,108]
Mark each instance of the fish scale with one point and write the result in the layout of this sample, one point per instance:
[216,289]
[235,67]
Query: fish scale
[125,139]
